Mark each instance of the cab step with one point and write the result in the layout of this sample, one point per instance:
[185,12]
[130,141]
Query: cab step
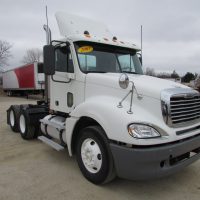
[51,143]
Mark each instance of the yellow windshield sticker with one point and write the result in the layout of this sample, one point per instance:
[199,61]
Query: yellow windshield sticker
[85,49]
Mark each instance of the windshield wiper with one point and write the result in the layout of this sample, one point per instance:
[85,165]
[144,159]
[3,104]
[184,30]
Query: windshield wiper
[129,72]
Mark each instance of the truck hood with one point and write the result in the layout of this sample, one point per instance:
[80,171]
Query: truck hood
[145,85]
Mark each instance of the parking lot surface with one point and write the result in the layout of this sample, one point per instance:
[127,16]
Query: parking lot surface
[32,170]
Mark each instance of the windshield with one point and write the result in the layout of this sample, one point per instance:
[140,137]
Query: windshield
[102,58]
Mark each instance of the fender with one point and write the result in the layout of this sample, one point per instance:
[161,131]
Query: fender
[109,116]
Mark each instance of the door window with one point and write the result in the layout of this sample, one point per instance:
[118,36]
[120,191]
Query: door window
[64,62]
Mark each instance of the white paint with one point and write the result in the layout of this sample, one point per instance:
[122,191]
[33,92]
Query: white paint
[22,124]
[10,80]
[12,118]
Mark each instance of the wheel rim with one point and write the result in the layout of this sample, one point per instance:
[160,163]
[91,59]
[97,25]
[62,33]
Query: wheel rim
[91,155]
[22,124]
[12,118]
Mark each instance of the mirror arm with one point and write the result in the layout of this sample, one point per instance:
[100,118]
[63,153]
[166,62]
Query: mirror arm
[139,96]
[131,103]
[120,103]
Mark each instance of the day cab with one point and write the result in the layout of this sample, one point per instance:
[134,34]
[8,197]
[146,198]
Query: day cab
[104,110]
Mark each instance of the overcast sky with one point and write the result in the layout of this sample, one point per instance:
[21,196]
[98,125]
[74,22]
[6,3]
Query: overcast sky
[171,28]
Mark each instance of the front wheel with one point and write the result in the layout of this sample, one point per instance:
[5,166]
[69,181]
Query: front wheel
[93,155]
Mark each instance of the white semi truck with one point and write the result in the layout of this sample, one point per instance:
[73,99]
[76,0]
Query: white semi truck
[117,121]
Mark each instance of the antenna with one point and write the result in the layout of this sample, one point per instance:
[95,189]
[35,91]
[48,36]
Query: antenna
[47,17]
[141,41]
[46,28]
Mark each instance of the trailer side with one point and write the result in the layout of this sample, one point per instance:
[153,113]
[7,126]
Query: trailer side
[24,80]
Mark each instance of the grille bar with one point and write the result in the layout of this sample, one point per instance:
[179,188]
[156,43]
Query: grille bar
[186,111]
[185,107]
[186,119]
[186,100]
[185,115]
[184,104]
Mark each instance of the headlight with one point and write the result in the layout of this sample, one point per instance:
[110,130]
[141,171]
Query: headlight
[141,131]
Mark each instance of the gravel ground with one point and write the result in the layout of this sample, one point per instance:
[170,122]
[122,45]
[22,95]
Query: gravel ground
[31,170]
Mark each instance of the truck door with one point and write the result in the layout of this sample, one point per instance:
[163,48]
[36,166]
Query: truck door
[62,84]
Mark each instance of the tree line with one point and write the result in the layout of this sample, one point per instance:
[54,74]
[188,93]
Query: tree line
[174,75]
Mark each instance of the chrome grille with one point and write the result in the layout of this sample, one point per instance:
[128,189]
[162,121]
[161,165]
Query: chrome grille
[184,108]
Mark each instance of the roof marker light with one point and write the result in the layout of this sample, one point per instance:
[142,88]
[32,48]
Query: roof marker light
[114,39]
[87,34]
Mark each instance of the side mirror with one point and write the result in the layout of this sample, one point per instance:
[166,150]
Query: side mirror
[49,59]
[123,81]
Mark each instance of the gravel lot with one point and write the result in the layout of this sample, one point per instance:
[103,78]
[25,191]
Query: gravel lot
[32,170]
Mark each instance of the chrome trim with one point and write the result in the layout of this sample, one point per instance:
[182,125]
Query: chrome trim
[166,96]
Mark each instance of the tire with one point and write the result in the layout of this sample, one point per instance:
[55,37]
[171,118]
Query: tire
[13,117]
[27,131]
[93,155]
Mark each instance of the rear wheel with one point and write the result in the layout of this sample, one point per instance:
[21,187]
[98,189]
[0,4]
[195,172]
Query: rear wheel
[27,130]
[13,117]
[93,155]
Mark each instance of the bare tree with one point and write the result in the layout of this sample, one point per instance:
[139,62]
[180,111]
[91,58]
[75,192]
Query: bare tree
[197,83]
[150,72]
[32,55]
[4,52]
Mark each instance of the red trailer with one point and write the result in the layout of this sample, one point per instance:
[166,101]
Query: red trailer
[24,80]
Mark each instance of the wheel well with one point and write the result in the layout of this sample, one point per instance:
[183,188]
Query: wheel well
[82,123]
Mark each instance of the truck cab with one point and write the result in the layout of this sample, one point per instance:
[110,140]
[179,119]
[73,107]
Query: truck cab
[104,110]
